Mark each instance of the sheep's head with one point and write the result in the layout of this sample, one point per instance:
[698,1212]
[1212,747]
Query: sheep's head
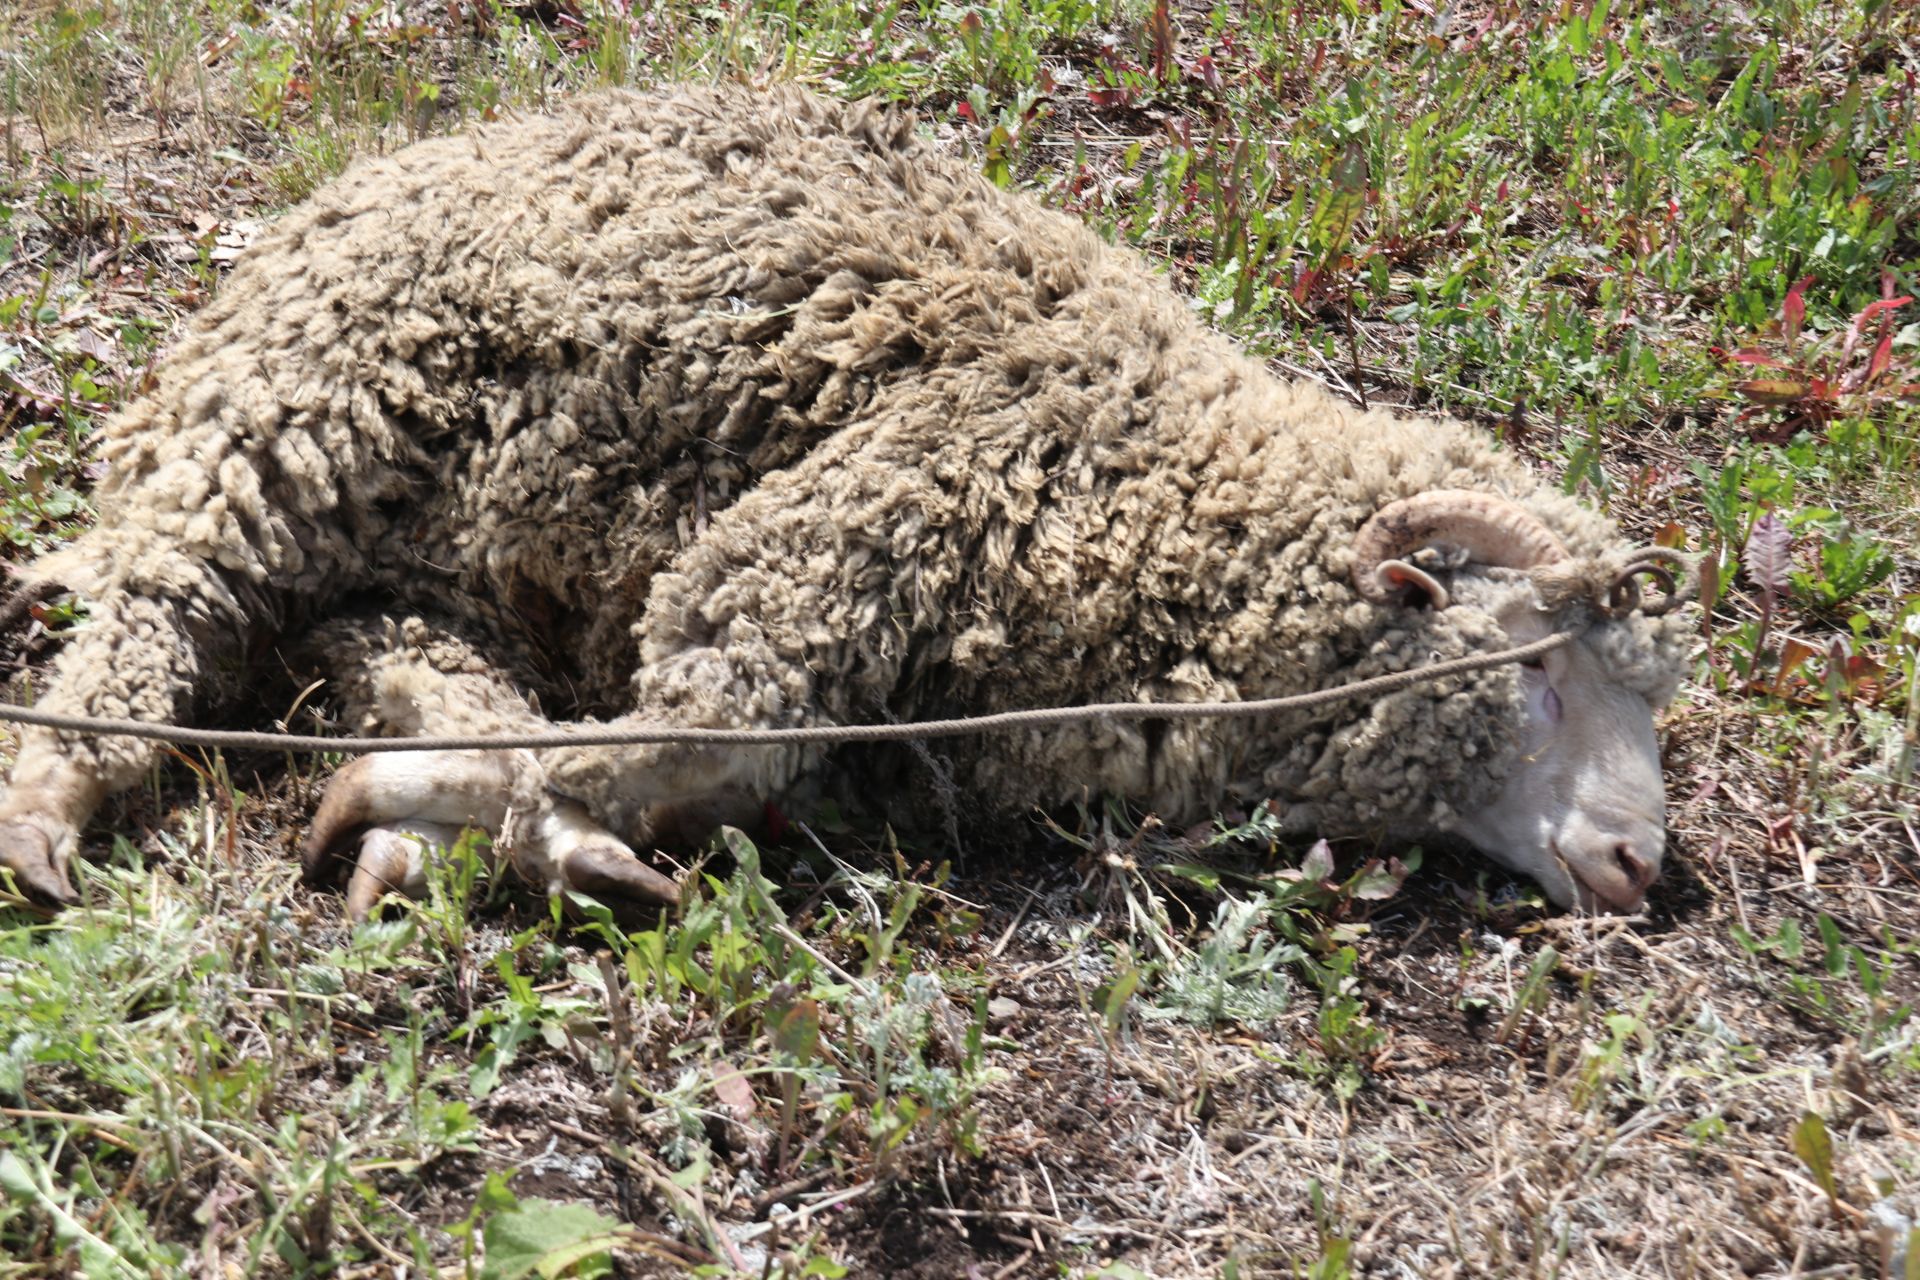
[1582,810]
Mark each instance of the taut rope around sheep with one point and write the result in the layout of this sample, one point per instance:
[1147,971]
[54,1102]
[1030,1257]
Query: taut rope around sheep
[635,735]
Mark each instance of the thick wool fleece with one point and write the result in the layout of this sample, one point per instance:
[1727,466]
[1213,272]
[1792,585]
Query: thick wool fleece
[732,408]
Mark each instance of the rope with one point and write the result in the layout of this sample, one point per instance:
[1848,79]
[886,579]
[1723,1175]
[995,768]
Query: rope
[633,735]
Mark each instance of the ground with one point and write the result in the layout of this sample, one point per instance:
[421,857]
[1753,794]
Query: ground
[1664,251]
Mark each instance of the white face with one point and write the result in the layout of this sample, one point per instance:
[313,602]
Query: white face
[1584,810]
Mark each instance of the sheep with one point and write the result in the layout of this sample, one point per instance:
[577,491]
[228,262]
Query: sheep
[724,408]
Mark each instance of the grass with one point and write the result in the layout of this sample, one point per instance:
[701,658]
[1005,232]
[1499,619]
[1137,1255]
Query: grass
[1664,251]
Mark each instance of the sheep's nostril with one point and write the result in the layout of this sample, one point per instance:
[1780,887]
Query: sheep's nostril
[1638,870]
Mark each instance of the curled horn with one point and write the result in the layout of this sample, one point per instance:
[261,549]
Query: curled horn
[1675,573]
[1492,530]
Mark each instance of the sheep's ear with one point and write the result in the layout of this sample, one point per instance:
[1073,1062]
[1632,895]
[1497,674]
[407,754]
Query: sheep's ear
[1414,584]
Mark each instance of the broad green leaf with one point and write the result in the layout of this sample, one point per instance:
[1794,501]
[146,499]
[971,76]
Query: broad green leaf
[549,1239]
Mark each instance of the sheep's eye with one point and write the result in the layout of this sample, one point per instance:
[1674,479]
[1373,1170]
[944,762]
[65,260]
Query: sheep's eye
[1540,692]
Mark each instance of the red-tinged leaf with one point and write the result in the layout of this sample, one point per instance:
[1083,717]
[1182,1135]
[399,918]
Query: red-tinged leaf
[1318,864]
[1305,285]
[1772,390]
[1861,673]
[965,111]
[1160,41]
[1858,328]
[1753,355]
[1873,309]
[797,1031]
[1500,192]
[1107,99]
[1794,310]
[1709,581]
[1882,354]
[1672,536]
[1768,557]
[1793,655]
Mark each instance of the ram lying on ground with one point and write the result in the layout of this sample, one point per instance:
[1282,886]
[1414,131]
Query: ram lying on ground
[722,408]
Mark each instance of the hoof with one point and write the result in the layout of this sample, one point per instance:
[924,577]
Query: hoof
[578,853]
[393,859]
[39,870]
[615,876]
[406,790]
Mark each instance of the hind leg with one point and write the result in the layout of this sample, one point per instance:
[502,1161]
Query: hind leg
[148,654]
[384,814]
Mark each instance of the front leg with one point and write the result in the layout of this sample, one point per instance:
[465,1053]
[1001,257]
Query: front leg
[138,658]
[49,798]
